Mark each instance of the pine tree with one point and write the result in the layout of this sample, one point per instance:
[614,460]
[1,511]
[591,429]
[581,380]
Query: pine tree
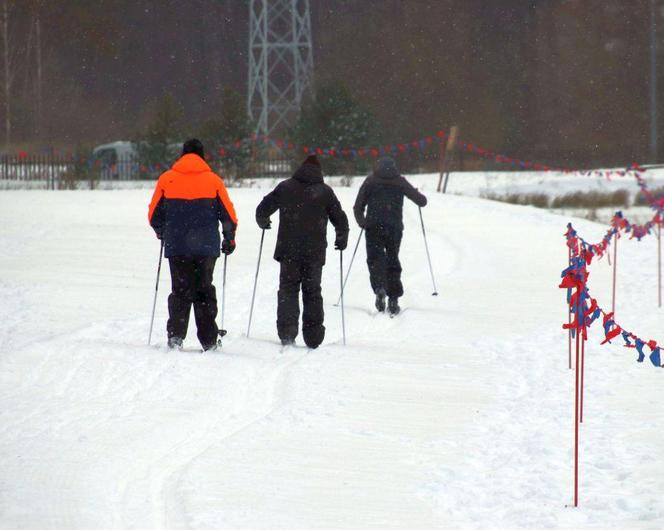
[159,145]
[334,119]
[225,137]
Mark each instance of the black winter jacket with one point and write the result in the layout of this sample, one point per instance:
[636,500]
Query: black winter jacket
[305,204]
[382,195]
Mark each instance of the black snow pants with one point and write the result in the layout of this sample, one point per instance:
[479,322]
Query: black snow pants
[308,275]
[191,281]
[383,244]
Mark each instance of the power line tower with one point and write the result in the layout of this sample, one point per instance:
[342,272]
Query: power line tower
[280,61]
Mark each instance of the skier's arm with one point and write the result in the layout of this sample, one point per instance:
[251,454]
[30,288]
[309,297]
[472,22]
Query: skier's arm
[156,209]
[267,207]
[339,221]
[226,212]
[360,205]
[412,193]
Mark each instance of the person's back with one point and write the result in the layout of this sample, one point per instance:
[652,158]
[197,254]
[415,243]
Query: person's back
[187,206]
[305,204]
[382,194]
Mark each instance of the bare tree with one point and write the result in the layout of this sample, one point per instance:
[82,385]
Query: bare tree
[38,69]
[7,84]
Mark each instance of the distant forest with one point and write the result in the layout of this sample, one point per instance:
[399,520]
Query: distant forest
[559,81]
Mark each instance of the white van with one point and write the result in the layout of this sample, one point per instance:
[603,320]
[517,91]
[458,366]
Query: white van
[116,160]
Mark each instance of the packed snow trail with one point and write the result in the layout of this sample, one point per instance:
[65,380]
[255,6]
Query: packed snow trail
[457,413]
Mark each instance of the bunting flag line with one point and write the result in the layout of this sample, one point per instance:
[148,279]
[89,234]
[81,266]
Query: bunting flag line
[422,144]
[584,308]
[228,150]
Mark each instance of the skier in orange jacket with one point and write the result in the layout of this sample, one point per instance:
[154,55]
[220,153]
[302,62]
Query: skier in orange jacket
[188,204]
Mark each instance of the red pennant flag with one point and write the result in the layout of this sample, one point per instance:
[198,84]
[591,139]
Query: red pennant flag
[617,330]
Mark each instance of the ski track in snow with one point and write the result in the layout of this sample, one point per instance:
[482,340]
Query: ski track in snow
[457,413]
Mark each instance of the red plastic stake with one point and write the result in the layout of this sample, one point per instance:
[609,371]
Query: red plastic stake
[576,426]
[659,263]
[569,321]
[583,357]
[615,263]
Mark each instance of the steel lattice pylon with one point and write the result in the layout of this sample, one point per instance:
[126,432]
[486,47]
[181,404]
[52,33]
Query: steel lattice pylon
[280,61]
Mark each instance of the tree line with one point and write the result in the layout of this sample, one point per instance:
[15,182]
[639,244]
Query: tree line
[563,82]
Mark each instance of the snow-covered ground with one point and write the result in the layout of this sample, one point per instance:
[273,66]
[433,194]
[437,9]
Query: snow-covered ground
[456,414]
[470,183]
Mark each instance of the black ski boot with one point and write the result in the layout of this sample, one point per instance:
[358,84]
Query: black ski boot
[212,347]
[175,343]
[393,306]
[380,300]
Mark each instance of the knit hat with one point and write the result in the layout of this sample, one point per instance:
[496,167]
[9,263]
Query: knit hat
[312,160]
[195,146]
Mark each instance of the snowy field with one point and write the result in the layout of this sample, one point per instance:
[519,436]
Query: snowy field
[469,183]
[456,414]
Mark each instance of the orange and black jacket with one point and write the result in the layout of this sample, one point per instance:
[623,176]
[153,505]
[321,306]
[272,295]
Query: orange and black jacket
[187,206]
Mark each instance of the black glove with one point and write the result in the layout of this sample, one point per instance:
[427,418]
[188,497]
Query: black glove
[264,222]
[361,223]
[227,246]
[341,243]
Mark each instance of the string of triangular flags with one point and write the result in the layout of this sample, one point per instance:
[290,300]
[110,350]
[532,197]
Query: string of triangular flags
[419,144]
[583,307]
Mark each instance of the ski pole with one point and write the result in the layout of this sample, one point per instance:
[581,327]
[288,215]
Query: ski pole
[341,297]
[156,288]
[253,296]
[351,264]
[426,246]
[222,331]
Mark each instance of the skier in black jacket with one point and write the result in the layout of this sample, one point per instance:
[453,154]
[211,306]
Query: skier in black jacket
[305,204]
[382,195]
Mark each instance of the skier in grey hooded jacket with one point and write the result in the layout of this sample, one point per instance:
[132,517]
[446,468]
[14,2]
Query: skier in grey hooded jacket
[382,195]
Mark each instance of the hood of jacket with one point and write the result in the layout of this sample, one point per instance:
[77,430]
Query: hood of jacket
[191,163]
[309,174]
[386,169]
